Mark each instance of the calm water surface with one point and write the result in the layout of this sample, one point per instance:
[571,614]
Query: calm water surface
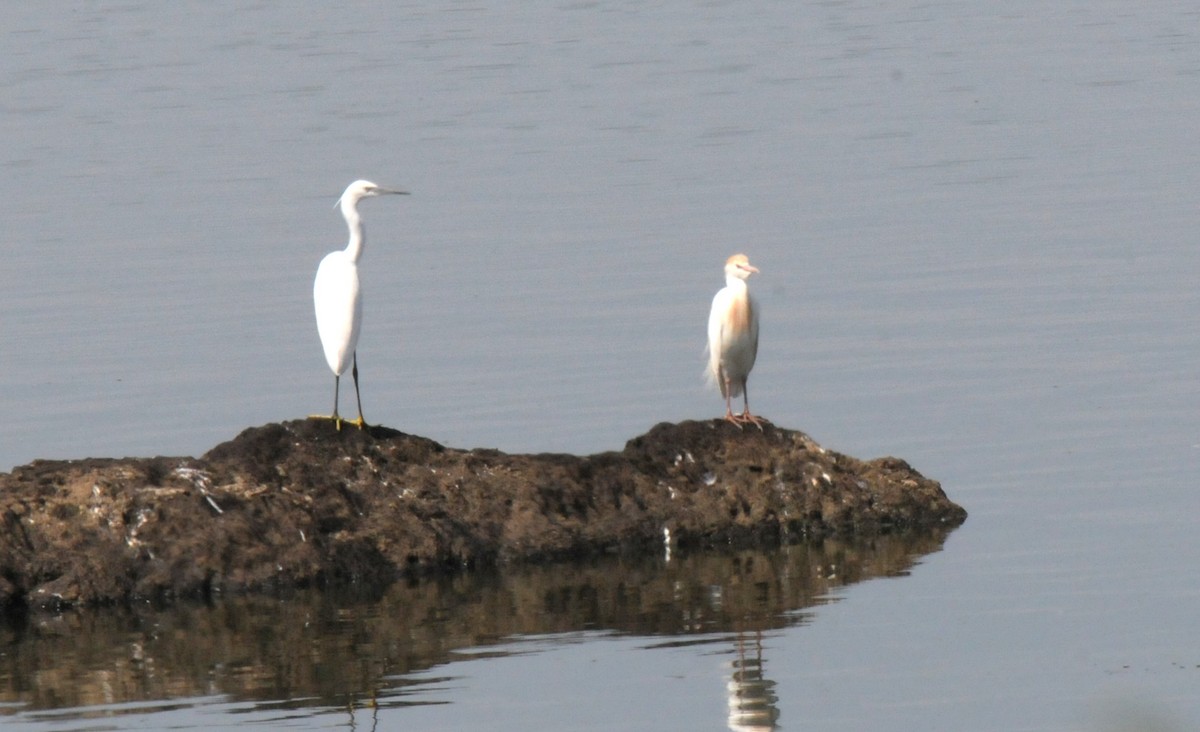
[976,230]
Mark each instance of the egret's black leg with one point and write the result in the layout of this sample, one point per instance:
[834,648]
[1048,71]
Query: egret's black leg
[362,423]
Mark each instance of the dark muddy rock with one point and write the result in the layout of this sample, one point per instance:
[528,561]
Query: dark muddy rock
[299,504]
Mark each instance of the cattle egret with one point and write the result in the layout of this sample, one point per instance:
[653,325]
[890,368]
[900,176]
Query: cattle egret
[733,338]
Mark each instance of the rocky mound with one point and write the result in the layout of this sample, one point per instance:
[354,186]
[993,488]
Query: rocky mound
[299,503]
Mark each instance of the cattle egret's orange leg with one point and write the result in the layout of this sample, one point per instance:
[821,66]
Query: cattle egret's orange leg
[729,415]
[745,416]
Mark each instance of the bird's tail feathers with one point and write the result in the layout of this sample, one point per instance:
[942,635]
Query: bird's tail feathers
[710,371]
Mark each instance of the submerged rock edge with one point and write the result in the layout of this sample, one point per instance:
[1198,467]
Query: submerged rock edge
[299,503]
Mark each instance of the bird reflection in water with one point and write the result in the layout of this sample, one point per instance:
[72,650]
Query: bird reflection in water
[352,709]
[751,695]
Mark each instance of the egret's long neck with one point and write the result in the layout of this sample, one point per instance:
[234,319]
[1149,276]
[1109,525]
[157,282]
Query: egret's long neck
[735,283]
[358,233]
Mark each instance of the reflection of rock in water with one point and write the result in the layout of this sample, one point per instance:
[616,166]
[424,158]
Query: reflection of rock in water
[751,695]
[337,649]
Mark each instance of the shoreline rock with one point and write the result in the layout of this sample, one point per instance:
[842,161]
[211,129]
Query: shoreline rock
[300,504]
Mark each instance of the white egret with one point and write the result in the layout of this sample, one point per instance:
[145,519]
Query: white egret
[337,296]
[733,338]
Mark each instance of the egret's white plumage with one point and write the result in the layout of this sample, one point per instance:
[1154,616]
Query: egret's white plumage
[338,298]
[733,337]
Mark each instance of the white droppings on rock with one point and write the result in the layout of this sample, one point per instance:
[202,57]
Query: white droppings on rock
[197,477]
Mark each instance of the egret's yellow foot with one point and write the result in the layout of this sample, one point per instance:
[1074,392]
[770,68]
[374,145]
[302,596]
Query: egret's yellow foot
[337,421]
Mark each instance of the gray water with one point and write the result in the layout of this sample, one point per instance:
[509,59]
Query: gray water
[975,228]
